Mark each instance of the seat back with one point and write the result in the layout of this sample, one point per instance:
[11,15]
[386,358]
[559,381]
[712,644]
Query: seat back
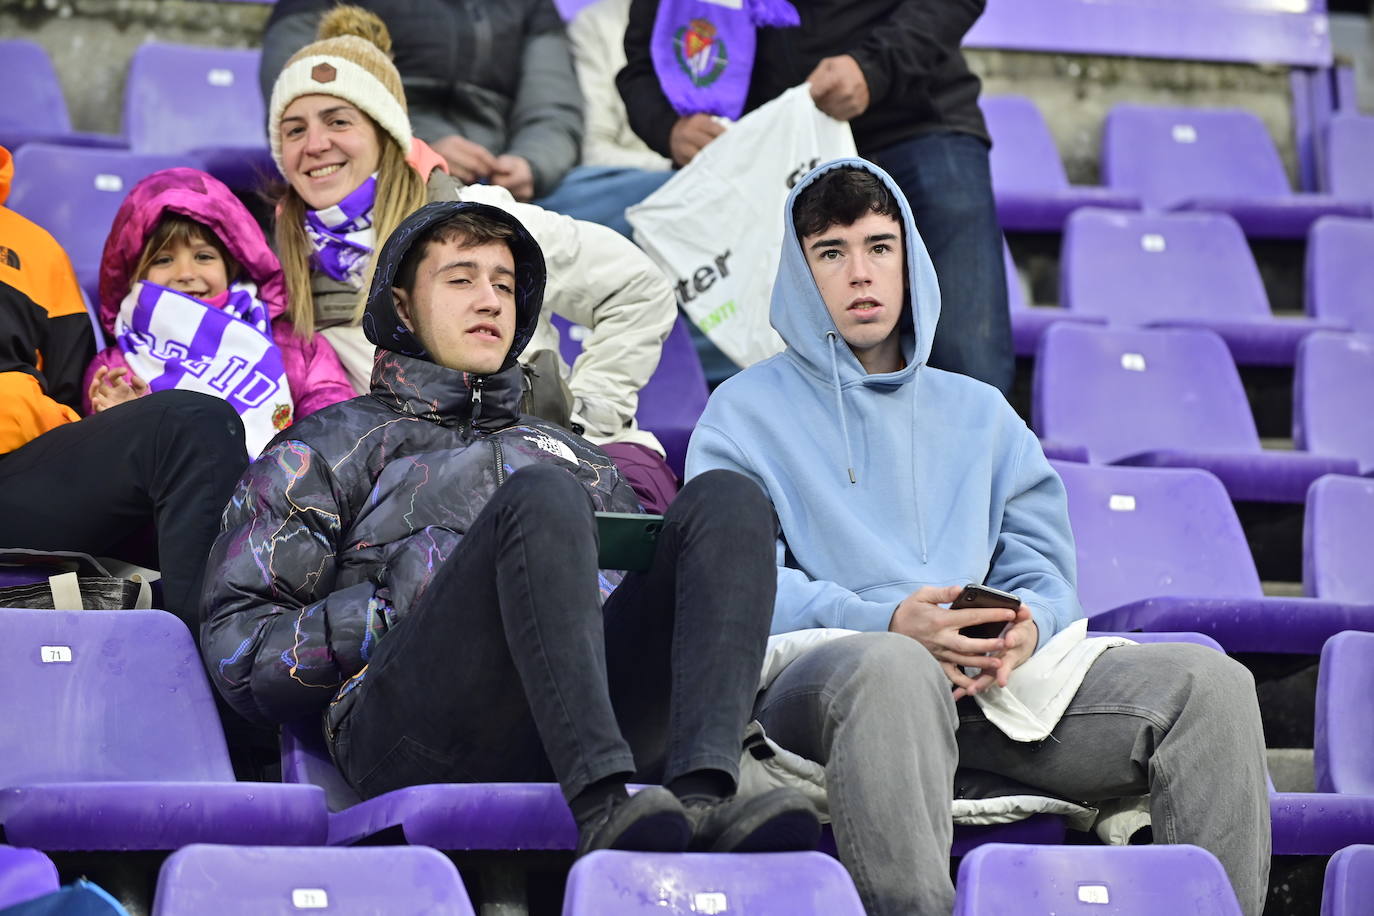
[25,874]
[1024,156]
[1169,155]
[671,402]
[1000,878]
[1120,391]
[33,95]
[1340,271]
[1349,884]
[1343,747]
[1349,151]
[1333,379]
[305,759]
[1335,549]
[1153,532]
[74,192]
[181,97]
[105,696]
[1135,268]
[249,880]
[610,883]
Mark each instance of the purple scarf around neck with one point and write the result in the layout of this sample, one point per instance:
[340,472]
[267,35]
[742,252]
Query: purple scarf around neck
[703,50]
[342,235]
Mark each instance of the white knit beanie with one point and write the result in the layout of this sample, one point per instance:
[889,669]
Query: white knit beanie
[351,61]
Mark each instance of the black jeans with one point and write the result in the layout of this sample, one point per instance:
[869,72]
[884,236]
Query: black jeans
[169,460]
[509,669]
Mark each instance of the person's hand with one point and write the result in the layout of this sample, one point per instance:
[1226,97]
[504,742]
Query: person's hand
[838,87]
[467,161]
[1021,641]
[111,387]
[690,135]
[513,173]
[937,628]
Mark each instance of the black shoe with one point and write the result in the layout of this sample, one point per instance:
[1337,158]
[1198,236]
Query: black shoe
[778,820]
[651,820]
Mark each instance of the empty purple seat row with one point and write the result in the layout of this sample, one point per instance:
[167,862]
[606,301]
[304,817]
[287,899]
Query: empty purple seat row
[35,110]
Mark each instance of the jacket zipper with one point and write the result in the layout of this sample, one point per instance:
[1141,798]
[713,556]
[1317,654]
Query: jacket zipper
[500,462]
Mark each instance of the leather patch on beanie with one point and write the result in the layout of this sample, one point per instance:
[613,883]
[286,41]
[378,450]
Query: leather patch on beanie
[323,73]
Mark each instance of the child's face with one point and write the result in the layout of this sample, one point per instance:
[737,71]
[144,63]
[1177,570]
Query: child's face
[195,269]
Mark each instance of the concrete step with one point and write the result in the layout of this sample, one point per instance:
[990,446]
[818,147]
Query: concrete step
[1291,769]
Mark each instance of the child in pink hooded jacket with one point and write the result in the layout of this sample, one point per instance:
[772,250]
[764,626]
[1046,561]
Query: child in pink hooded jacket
[194,298]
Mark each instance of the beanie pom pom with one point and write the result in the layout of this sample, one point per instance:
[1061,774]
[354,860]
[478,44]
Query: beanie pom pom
[356,21]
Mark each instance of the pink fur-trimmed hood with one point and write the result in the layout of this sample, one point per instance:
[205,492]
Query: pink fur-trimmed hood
[194,194]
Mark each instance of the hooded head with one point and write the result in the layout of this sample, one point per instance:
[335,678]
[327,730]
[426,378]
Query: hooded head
[197,196]
[798,311]
[383,324]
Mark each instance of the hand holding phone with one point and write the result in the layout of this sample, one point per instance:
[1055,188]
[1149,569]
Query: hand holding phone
[974,596]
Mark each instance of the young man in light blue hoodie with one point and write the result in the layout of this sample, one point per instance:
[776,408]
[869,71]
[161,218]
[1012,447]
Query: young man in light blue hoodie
[896,484]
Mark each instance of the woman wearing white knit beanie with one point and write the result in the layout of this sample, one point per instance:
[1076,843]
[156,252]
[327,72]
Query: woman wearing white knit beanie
[340,134]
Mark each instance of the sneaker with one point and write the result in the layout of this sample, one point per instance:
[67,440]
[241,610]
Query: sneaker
[778,820]
[651,820]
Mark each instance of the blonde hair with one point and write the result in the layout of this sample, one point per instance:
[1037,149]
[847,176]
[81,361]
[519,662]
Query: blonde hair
[400,192]
[174,229]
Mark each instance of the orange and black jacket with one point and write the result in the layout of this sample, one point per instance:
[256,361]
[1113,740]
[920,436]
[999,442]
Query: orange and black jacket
[45,334]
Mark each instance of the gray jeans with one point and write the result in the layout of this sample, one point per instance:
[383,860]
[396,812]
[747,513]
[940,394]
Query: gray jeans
[1178,721]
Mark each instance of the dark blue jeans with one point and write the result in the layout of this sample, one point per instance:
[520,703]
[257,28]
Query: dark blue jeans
[510,670]
[946,180]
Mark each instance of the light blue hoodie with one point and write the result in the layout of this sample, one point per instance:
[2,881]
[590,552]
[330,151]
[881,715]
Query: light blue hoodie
[949,485]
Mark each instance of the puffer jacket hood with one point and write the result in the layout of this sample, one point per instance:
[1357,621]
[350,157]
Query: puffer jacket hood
[198,196]
[384,327]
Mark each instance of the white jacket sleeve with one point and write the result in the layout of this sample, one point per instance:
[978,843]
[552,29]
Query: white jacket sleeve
[600,280]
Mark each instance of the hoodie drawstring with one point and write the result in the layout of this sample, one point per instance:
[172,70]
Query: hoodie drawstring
[839,406]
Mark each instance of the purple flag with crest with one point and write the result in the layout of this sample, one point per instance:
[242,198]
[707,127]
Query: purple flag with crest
[703,51]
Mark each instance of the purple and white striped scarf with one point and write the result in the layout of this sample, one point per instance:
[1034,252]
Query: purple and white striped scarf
[171,340]
[342,235]
[703,50]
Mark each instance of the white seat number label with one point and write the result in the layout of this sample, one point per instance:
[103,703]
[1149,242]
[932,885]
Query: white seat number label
[714,902]
[1152,242]
[1093,893]
[50,654]
[220,77]
[107,182]
[1185,133]
[1133,362]
[1121,503]
[309,898]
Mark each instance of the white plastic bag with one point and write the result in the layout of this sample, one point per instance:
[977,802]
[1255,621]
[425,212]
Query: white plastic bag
[716,227]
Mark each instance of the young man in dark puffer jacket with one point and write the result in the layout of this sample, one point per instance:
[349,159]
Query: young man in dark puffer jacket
[420,564]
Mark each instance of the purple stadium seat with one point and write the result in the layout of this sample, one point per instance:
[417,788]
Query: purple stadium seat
[610,883]
[1163,398]
[1340,271]
[1335,551]
[74,193]
[110,741]
[1178,270]
[250,880]
[1162,550]
[1123,880]
[452,816]
[1332,385]
[35,110]
[1028,322]
[203,101]
[674,397]
[1033,193]
[1219,159]
[1343,750]
[1349,885]
[1349,151]
[24,875]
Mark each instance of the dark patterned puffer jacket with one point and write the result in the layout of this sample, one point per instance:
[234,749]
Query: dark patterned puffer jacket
[343,522]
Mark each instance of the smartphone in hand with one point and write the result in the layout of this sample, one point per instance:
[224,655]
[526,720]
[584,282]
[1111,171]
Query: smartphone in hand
[984,596]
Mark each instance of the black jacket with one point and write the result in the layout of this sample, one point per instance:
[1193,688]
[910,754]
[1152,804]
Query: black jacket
[339,528]
[918,81]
